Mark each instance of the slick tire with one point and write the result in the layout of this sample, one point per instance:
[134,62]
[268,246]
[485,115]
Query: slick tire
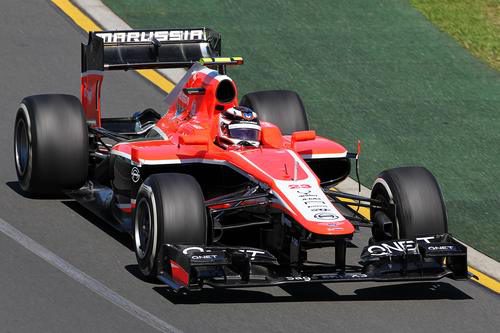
[50,144]
[170,210]
[418,207]
[283,108]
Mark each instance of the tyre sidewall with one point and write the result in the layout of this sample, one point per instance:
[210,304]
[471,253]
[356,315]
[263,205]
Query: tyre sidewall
[24,178]
[416,215]
[147,262]
[385,187]
[382,192]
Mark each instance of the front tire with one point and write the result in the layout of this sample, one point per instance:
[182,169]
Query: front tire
[170,209]
[413,205]
[50,144]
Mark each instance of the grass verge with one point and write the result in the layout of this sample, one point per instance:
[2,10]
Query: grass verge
[475,24]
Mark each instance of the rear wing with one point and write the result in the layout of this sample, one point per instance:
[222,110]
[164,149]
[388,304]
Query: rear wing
[148,49]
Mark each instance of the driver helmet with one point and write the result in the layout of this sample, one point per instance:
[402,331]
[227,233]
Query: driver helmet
[239,125]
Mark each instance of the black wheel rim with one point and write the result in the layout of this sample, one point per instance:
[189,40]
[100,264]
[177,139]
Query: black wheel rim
[142,229]
[384,228]
[21,146]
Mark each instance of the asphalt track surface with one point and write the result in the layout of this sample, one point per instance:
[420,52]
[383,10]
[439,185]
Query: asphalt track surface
[40,53]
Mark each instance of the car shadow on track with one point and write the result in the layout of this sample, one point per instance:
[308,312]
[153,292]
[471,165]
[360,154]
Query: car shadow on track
[320,293]
[14,186]
[134,270]
[120,237]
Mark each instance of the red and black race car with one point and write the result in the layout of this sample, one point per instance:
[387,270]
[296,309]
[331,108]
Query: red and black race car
[219,192]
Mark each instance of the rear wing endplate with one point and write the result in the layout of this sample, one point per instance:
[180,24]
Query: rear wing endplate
[149,49]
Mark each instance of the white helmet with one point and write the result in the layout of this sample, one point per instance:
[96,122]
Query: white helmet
[239,125]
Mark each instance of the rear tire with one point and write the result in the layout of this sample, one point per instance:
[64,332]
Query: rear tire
[418,202]
[282,108]
[50,144]
[170,209]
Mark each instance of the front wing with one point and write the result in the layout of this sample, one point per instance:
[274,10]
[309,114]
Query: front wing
[428,258]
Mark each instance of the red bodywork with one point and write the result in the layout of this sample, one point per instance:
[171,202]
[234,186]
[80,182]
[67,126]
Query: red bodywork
[189,129]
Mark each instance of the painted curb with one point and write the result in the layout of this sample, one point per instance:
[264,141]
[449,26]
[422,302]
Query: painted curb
[110,21]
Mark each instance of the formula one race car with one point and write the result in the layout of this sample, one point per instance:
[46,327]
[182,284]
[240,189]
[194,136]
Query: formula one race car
[220,193]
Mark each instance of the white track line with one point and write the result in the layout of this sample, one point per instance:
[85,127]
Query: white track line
[85,279]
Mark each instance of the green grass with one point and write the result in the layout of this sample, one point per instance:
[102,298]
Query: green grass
[475,24]
[374,70]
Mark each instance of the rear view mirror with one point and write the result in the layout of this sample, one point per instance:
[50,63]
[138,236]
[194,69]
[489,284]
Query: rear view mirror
[303,136]
[193,140]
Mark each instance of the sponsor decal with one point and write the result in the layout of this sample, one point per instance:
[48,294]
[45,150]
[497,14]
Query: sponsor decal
[253,253]
[312,203]
[327,277]
[193,248]
[316,202]
[205,257]
[442,248]
[402,246]
[399,247]
[326,216]
[135,174]
[147,36]
[298,278]
[298,186]
[359,276]
[334,224]
[339,276]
